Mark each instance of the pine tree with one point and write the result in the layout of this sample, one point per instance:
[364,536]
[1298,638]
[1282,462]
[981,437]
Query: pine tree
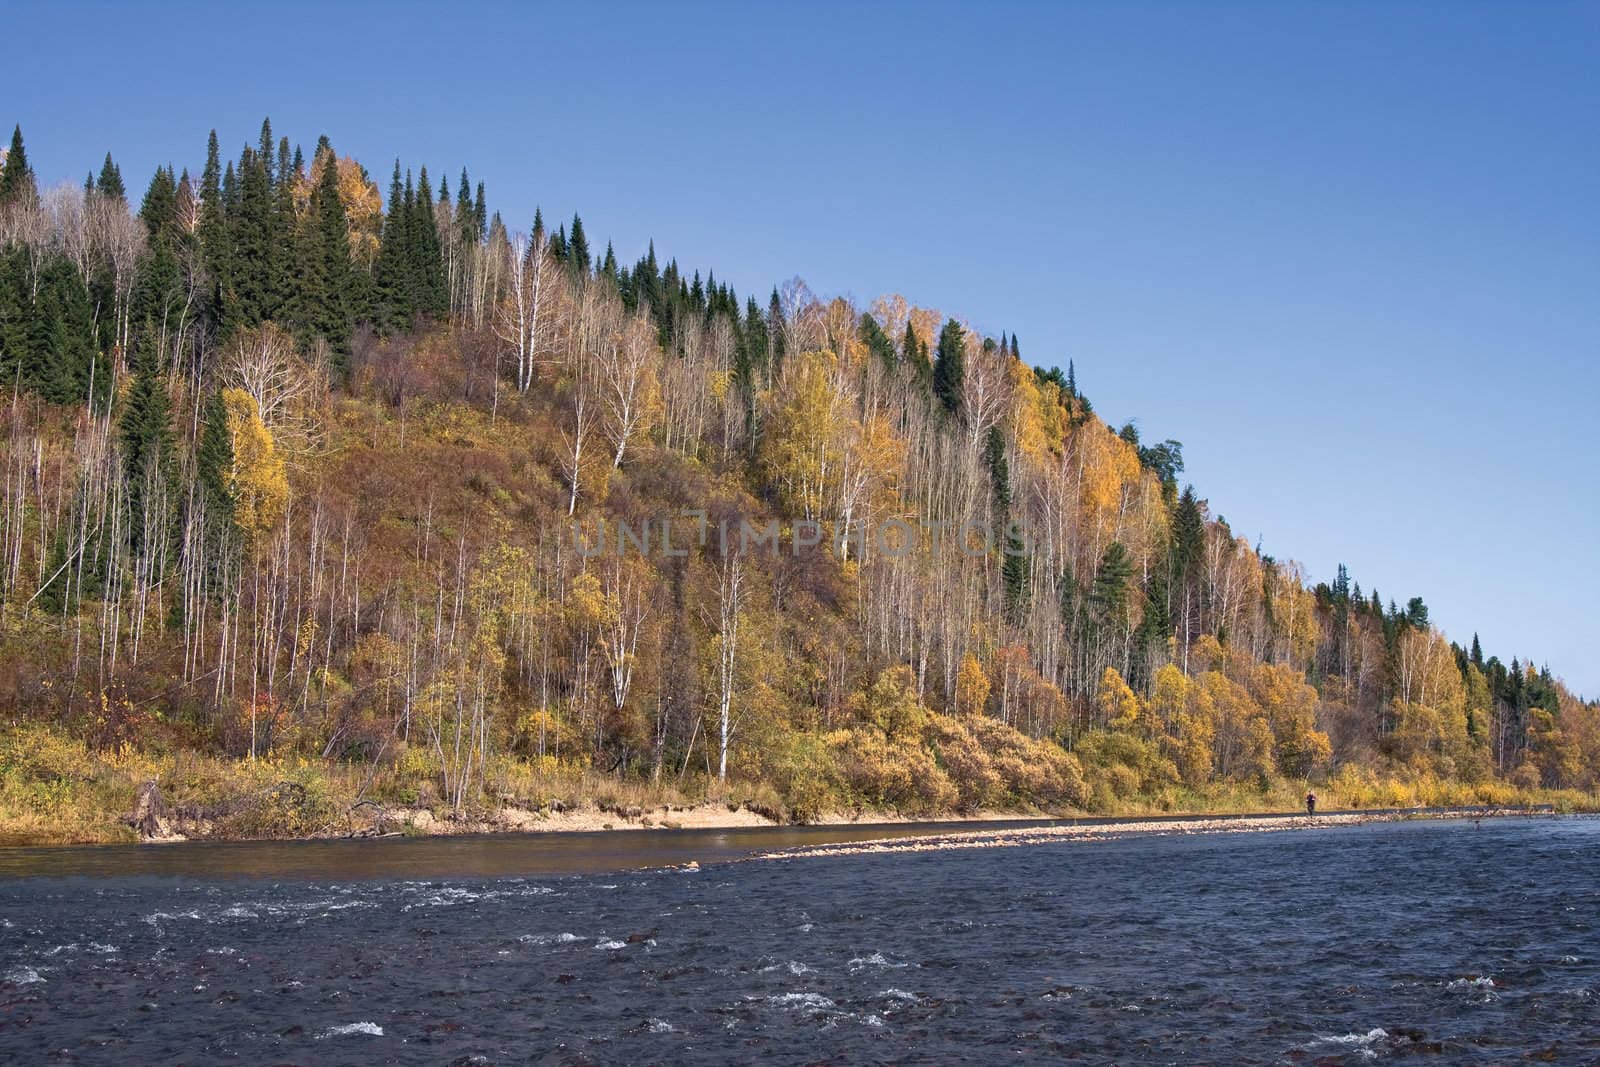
[16,178]
[950,371]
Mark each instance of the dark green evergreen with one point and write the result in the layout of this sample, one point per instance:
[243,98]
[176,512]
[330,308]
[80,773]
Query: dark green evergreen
[950,370]
[145,430]
[16,178]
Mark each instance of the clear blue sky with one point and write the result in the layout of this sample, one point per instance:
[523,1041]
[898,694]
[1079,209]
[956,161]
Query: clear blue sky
[1349,254]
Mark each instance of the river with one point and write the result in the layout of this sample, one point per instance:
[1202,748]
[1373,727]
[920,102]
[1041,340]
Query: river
[1339,945]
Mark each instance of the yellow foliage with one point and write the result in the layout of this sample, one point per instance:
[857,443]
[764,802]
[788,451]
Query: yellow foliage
[1120,707]
[1028,412]
[360,198]
[258,482]
[972,686]
[891,704]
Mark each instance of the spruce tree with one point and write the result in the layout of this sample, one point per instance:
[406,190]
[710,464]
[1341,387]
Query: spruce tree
[466,219]
[145,429]
[16,316]
[430,293]
[159,210]
[329,243]
[877,341]
[1014,559]
[578,250]
[1109,594]
[264,149]
[776,329]
[253,279]
[16,178]
[63,361]
[393,277]
[950,371]
[214,460]
[110,184]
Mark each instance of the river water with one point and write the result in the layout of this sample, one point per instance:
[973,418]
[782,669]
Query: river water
[1444,941]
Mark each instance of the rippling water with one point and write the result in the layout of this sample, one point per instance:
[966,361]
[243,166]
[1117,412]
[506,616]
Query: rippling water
[1330,946]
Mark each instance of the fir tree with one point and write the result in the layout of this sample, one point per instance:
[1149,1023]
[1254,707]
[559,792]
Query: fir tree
[110,184]
[330,274]
[393,276]
[214,460]
[16,316]
[878,342]
[429,291]
[63,362]
[16,178]
[578,250]
[466,219]
[1109,594]
[252,278]
[159,210]
[950,371]
[145,429]
[776,329]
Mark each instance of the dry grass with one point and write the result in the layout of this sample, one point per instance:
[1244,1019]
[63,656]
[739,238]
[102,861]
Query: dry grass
[56,790]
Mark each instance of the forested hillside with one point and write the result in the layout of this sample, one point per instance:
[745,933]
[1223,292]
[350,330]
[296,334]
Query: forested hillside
[288,482]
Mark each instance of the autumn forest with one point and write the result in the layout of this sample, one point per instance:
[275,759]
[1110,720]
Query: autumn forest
[303,456]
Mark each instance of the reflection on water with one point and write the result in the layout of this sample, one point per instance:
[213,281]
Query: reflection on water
[464,856]
[1336,946]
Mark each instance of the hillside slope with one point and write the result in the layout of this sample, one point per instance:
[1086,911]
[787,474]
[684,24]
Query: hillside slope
[311,503]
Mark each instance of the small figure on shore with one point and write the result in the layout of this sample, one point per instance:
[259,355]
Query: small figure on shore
[1311,803]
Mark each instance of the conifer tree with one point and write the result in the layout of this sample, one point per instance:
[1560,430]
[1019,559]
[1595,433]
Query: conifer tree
[16,178]
[110,184]
[578,250]
[251,295]
[775,333]
[159,209]
[16,317]
[330,270]
[63,362]
[145,429]
[950,371]
[214,459]
[466,219]
[393,274]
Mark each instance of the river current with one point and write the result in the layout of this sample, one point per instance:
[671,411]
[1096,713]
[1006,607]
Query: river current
[1445,941]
